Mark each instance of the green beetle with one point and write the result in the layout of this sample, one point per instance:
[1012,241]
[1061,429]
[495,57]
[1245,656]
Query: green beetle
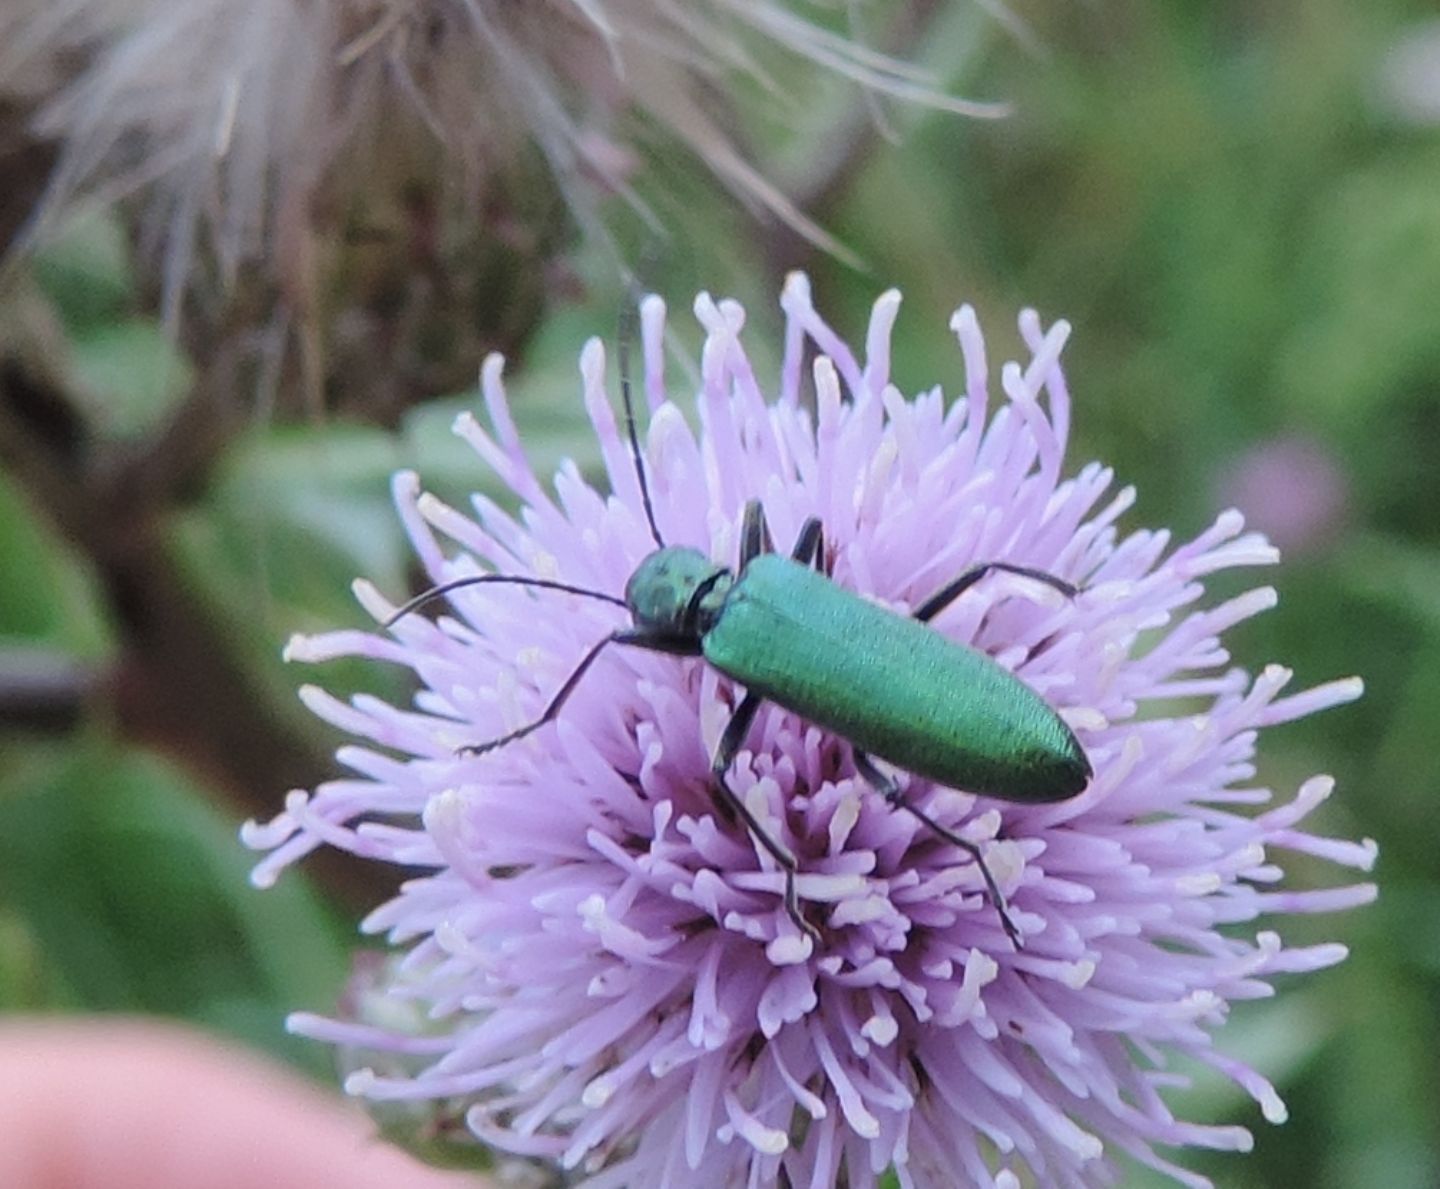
[894,688]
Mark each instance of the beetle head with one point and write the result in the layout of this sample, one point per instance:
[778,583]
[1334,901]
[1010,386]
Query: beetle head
[677,592]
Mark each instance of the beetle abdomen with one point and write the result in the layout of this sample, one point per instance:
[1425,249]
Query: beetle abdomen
[892,686]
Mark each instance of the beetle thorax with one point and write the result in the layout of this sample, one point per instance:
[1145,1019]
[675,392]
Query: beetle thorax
[677,592]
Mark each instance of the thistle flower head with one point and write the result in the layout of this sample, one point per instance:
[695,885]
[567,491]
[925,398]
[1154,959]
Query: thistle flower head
[614,981]
[241,119]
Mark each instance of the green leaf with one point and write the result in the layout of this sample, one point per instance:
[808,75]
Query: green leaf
[1395,573]
[45,596]
[85,270]
[136,893]
[130,375]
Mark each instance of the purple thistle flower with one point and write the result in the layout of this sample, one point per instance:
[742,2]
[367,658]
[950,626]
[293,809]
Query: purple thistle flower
[613,981]
[1293,488]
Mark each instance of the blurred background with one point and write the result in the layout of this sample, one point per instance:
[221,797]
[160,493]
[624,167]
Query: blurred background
[1237,205]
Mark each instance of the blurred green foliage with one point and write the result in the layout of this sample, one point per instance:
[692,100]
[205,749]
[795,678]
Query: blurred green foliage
[1248,244]
[122,890]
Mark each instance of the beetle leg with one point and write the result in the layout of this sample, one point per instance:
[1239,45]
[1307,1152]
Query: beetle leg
[951,591]
[887,787]
[754,535]
[562,695]
[810,548]
[726,751]
[810,544]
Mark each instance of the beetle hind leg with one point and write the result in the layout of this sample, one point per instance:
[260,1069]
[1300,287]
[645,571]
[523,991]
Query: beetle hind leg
[729,747]
[887,787]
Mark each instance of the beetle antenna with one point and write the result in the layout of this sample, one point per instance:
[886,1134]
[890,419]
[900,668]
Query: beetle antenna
[435,592]
[625,336]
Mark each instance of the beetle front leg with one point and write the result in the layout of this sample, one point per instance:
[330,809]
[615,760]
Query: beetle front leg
[810,545]
[562,695]
[754,535]
[887,787]
[729,747]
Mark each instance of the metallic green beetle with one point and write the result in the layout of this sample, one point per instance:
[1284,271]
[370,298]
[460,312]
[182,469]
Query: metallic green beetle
[891,686]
